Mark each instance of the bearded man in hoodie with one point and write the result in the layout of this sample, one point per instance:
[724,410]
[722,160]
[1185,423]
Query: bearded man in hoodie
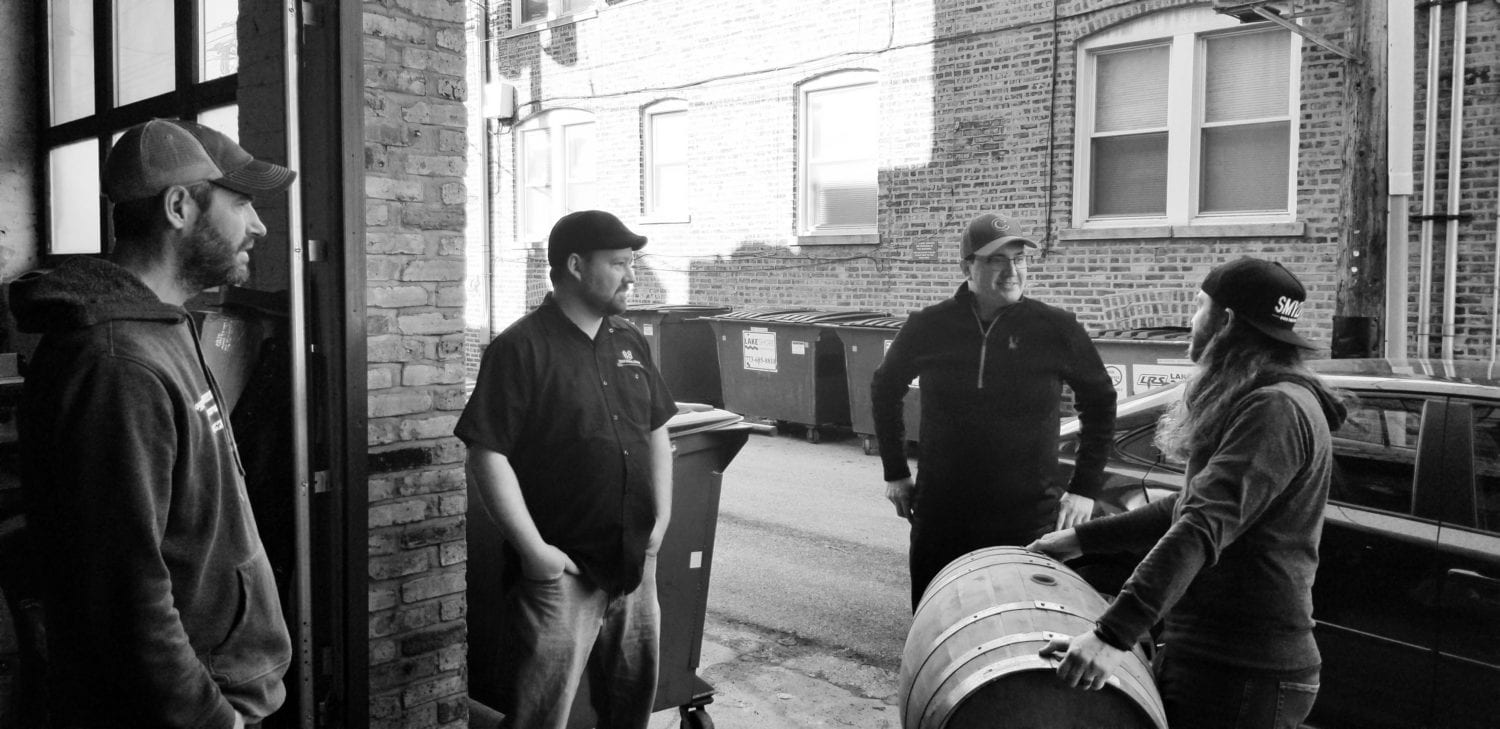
[1235,552]
[161,609]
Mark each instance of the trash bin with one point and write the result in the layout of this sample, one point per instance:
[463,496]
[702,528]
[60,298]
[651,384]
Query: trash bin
[784,366]
[704,441]
[1143,359]
[865,343]
[682,344]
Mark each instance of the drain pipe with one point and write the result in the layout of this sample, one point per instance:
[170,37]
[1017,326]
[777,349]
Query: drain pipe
[1429,181]
[302,646]
[1400,93]
[1455,165]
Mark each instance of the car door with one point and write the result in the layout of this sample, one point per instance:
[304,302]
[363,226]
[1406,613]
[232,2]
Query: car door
[1467,689]
[1377,582]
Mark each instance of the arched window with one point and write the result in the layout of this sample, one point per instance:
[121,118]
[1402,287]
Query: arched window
[838,169]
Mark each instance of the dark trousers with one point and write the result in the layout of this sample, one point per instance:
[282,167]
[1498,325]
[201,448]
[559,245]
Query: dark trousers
[937,540]
[1206,695]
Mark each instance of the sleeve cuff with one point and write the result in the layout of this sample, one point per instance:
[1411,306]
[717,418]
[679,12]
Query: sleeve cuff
[1110,637]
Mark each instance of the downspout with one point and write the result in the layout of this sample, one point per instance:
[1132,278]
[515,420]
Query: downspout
[302,646]
[1429,181]
[1400,93]
[1455,166]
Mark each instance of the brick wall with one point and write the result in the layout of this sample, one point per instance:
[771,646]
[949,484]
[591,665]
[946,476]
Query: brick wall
[415,162]
[976,106]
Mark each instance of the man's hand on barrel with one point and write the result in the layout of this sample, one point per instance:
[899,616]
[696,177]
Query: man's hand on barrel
[1074,510]
[1060,545]
[1087,661]
[901,492]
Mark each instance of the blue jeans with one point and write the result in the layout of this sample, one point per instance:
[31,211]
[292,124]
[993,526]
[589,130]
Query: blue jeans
[556,630]
[1201,694]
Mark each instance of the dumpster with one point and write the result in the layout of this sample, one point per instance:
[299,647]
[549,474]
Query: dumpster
[682,344]
[1143,359]
[784,366]
[704,441]
[865,343]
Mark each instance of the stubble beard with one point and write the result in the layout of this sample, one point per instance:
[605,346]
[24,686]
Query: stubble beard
[208,259]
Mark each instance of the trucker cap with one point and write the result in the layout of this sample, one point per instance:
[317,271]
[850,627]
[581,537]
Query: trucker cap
[1263,293]
[155,155]
[588,230]
[988,228]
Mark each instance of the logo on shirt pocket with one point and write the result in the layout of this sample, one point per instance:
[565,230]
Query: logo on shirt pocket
[627,359]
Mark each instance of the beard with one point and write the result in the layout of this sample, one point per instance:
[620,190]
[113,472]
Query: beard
[209,259]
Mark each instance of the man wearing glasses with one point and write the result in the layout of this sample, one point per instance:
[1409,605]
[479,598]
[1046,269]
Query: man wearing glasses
[992,363]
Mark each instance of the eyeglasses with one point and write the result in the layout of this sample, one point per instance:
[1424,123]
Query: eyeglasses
[997,260]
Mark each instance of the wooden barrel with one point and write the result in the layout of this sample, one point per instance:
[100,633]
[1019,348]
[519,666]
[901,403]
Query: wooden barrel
[971,656]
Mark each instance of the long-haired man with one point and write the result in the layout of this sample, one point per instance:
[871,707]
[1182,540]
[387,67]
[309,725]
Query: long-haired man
[1235,552]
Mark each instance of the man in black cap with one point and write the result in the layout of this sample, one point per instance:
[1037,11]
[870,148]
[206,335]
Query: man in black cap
[1233,555]
[992,364]
[569,451]
[161,609]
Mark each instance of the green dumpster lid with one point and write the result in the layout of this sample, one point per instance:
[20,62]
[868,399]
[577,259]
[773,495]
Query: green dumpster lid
[874,322]
[815,316]
[755,313]
[1156,334]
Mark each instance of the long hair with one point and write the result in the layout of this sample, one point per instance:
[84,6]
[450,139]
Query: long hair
[1238,359]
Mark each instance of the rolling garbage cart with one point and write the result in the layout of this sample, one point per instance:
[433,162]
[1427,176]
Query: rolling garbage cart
[784,366]
[1143,359]
[865,343]
[704,441]
[682,344]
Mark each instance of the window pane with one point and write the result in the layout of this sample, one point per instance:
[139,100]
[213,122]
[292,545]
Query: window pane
[574,6]
[72,59]
[1245,168]
[1487,467]
[225,119]
[842,174]
[1375,454]
[844,195]
[220,55]
[667,177]
[1129,176]
[144,30]
[1247,76]
[532,10]
[536,203]
[578,143]
[1131,89]
[73,173]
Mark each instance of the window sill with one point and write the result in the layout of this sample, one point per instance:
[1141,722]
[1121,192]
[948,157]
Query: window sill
[679,219]
[825,239]
[1237,230]
[541,25]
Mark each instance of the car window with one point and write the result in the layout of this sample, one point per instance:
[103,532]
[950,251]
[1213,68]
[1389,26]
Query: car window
[1375,453]
[1487,467]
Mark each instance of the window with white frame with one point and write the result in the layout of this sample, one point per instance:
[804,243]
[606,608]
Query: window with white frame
[664,159]
[1186,117]
[838,176]
[113,65]
[556,176]
[538,11]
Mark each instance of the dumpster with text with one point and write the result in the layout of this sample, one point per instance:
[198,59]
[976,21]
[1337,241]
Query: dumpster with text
[784,366]
[1144,359]
[865,343]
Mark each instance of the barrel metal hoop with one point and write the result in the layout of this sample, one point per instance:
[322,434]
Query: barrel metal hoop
[1045,636]
[953,572]
[966,687]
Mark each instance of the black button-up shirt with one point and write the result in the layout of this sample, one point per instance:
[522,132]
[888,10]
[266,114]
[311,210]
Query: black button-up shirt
[574,418]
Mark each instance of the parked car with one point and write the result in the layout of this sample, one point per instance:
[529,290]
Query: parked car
[1407,597]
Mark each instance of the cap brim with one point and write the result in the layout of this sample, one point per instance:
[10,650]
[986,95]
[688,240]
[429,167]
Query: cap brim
[258,178]
[1286,336]
[1015,239]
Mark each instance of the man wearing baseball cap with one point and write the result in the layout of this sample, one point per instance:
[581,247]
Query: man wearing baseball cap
[161,608]
[569,453]
[992,363]
[1235,552]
